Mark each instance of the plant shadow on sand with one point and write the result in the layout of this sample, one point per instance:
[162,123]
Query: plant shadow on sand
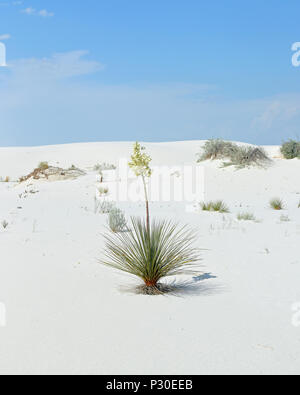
[179,288]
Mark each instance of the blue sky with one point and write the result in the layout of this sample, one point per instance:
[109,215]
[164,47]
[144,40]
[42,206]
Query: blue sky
[151,70]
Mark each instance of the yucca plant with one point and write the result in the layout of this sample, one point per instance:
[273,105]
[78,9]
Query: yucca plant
[162,250]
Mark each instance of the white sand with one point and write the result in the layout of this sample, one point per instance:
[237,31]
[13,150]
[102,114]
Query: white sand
[66,314]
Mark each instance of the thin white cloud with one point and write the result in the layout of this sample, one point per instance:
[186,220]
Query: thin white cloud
[59,66]
[32,11]
[4,37]
[28,11]
[278,110]
[45,13]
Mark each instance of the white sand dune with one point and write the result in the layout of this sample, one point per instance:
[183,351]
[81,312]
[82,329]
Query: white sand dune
[66,314]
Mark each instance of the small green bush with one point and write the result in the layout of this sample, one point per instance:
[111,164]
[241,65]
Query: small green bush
[277,204]
[43,166]
[218,206]
[291,149]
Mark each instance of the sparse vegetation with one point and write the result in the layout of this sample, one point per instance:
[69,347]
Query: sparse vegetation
[216,149]
[104,167]
[43,166]
[235,155]
[248,156]
[217,206]
[277,204]
[103,191]
[103,206]
[284,218]
[117,221]
[246,217]
[291,149]
[46,172]
[152,253]
[4,224]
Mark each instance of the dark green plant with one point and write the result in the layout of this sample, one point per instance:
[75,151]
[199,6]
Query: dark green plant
[152,253]
[291,149]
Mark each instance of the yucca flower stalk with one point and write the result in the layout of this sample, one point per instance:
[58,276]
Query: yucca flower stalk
[152,253]
[140,164]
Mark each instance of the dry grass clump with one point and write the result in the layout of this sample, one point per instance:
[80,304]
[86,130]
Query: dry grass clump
[217,206]
[248,156]
[277,204]
[103,206]
[246,217]
[291,149]
[236,155]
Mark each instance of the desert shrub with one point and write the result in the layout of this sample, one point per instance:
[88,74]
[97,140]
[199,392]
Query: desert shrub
[277,204]
[236,155]
[43,166]
[217,206]
[117,221]
[246,217]
[152,253]
[216,149]
[248,156]
[291,149]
